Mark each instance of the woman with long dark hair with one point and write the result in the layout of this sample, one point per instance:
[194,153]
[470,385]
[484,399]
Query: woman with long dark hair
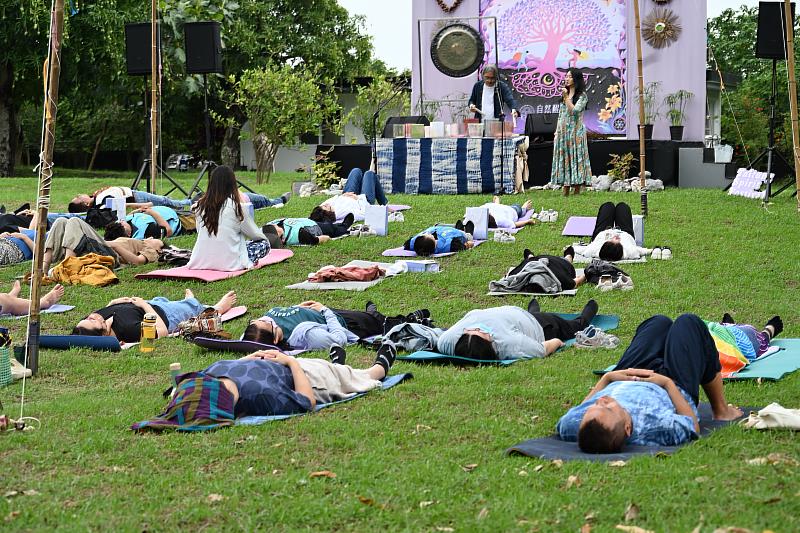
[227,237]
[571,166]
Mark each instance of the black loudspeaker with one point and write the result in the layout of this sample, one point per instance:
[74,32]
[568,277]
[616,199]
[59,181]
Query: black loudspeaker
[138,47]
[771,39]
[203,47]
[419,119]
[540,127]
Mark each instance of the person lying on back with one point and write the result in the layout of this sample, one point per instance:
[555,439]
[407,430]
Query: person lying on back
[294,231]
[438,240]
[154,222]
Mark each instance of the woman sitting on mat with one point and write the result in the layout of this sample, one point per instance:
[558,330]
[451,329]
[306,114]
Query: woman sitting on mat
[294,231]
[439,240]
[122,317]
[360,190]
[313,326]
[509,332]
[507,216]
[227,237]
[265,383]
[651,398]
[12,304]
[612,238]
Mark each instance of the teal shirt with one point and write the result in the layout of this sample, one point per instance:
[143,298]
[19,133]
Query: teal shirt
[292,227]
[288,318]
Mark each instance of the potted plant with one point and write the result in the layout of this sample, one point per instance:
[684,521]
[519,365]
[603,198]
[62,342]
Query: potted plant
[677,102]
[651,110]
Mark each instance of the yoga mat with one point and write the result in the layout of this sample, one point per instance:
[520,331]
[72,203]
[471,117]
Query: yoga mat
[387,383]
[568,292]
[401,252]
[274,256]
[553,447]
[604,322]
[771,367]
[65,342]
[345,285]
[237,345]
[57,308]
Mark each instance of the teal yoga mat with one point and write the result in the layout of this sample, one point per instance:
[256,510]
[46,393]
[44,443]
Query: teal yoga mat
[604,322]
[772,367]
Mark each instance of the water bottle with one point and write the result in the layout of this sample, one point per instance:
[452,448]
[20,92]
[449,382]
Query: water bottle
[147,342]
[174,372]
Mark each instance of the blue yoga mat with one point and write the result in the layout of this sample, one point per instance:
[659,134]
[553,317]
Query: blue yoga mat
[553,447]
[772,367]
[604,322]
[387,383]
[65,342]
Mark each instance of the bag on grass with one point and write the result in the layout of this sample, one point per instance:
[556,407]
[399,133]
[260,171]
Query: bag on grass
[100,217]
[206,324]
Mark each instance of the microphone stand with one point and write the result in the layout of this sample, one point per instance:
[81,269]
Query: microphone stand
[381,107]
[502,136]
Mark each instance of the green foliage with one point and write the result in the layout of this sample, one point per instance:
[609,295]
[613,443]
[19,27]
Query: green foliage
[369,98]
[677,106]
[651,107]
[281,104]
[619,166]
[324,171]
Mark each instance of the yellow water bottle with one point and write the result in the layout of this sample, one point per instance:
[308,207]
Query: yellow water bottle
[147,341]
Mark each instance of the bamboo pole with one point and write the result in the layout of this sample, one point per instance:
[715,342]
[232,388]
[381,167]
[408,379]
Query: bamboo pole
[642,178]
[787,5]
[155,76]
[45,177]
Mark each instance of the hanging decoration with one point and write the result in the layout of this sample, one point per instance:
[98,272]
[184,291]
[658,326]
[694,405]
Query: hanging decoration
[661,28]
[662,1]
[452,7]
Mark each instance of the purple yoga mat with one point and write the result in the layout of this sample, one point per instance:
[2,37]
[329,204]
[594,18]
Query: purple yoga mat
[579,226]
[401,252]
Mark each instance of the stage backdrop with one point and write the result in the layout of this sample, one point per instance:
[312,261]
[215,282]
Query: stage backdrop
[537,40]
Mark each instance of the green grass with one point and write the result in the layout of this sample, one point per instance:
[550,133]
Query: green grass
[398,449]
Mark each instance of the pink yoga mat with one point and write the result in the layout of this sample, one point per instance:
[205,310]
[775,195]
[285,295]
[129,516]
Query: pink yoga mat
[274,256]
[401,252]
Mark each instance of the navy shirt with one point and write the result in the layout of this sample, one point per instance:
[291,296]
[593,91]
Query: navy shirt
[265,387]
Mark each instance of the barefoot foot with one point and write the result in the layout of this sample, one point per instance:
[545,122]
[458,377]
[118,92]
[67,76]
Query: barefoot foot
[226,302]
[527,205]
[188,293]
[730,412]
[52,297]
[496,199]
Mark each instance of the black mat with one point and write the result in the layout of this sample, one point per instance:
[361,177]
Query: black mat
[553,447]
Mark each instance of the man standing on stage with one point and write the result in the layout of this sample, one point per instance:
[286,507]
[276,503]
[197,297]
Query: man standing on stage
[490,95]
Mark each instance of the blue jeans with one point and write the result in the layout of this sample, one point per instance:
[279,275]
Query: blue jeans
[366,183]
[156,199]
[178,311]
[260,201]
[518,209]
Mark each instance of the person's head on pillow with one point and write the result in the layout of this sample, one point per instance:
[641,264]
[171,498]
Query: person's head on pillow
[605,427]
[80,204]
[116,230]
[264,331]
[612,249]
[425,244]
[94,325]
[476,342]
[323,213]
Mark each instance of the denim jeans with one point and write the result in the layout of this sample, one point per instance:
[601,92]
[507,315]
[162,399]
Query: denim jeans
[178,311]
[156,199]
[52,217]
[366,183]
[260,201]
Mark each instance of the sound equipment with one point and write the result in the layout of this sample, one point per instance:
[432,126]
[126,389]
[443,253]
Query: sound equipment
[457,50]
[771,37]
[203,47]
[540,127]
[138,48]
[387,129]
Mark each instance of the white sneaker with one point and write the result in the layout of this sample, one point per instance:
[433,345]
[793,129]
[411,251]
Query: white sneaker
[366,231]
[504,236]
[666,253]
[656,253]
[624,283]
[605,284]
[553,216]
[396,216]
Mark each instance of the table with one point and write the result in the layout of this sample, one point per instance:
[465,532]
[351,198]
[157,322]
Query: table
[446,165]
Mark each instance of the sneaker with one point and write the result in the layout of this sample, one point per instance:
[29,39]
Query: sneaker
[593,337]
[624,283]
[337,355]
[285,197]
[606,283]
[397,216]
[656,253]
[366,231]
[504,236]
[553,216]
[666,253]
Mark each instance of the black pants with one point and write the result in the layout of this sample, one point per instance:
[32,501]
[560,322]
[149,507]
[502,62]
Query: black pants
[682,350]
[333,230]
[556,327]
[9,222]
[368,323]
[563,270]
[610,216]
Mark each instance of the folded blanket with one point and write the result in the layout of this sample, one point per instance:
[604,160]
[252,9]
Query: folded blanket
[351,273]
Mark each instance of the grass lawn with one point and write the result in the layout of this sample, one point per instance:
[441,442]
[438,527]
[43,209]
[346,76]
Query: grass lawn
[401,457]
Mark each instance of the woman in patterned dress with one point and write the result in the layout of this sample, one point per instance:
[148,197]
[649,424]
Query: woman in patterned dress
[570,151]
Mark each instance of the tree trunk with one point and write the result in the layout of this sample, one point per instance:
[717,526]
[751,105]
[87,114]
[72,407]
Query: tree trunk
[265,158]
[230,153]
[97,145]
[8,122]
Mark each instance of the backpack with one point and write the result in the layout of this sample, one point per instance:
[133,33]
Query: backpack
[206,324]
[100,217]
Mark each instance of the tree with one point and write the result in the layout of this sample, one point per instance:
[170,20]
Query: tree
[281,104]
[369,97]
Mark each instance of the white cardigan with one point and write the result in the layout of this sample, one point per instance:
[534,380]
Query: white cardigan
[227,250]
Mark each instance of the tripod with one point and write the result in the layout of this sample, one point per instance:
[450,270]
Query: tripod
[770,152]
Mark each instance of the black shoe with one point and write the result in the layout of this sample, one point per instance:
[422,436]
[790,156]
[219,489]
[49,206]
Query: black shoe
[469,227]
[777,325]
[418,316]
[460,225]
[2,210]
[527,253]
[533,306]
[22,208]
[569,250]
[371,307]
[387,353]
[348,220]
[337,355]
[285,197]
[728,319]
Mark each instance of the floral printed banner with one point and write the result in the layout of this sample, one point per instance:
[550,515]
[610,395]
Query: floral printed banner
[538,40]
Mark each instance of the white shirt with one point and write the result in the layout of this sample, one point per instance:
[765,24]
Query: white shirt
[629,248]
[487,101]
[344,205]
[504,215]
[112,192]
[227,250]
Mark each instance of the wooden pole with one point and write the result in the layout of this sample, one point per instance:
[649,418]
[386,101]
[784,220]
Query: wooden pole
[642,166]
[792,93]
[53,72]
[155,76]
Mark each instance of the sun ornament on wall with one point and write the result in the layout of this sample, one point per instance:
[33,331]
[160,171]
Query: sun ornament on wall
[661,28]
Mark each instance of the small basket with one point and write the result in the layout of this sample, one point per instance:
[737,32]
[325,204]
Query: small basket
[5,366]
[723,153]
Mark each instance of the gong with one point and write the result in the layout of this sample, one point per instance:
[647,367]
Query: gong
[457,50]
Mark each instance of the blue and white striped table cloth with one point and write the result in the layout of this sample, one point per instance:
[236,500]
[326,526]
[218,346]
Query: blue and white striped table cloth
[446,165]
